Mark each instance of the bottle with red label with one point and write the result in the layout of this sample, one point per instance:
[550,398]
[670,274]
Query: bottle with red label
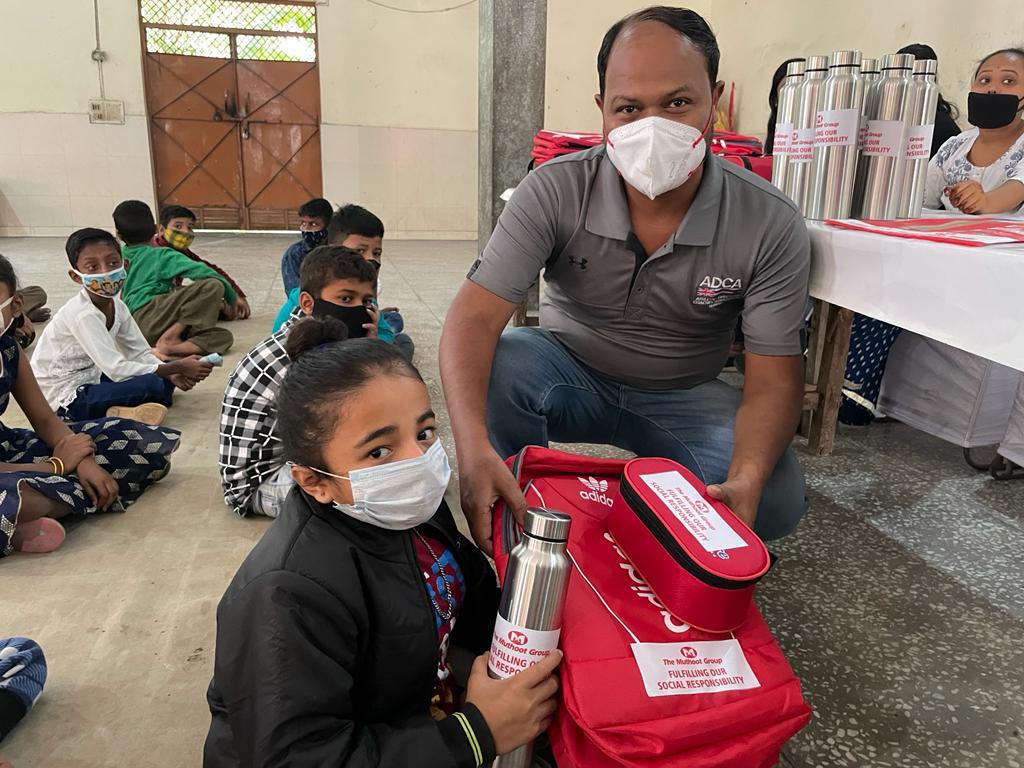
[532,597]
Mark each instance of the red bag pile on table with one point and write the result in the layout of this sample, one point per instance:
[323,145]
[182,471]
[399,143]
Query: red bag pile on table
[744,151]
[640,687]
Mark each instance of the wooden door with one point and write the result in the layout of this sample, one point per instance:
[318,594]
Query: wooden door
[234,111]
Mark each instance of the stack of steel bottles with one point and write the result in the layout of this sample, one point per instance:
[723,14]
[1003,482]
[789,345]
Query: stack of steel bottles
[853,135]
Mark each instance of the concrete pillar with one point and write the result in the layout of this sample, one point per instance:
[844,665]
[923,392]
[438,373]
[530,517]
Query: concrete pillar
[513,37]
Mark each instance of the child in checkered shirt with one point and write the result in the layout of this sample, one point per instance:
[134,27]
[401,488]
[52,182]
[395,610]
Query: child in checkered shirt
[336,283]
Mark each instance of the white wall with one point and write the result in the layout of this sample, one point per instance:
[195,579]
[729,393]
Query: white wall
[57,171]
[398,104]
[755,37]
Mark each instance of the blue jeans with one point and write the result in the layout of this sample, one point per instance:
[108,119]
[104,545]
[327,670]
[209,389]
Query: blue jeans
[539,392]
[93,400]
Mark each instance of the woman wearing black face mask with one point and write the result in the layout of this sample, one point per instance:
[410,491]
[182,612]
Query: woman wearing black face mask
[982,170]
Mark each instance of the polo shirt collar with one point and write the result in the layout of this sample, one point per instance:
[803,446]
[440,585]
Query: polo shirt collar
[608,211]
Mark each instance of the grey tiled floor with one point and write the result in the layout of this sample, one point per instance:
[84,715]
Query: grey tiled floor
[898,601]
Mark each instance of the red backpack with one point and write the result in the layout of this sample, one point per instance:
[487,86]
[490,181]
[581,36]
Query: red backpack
[639,687]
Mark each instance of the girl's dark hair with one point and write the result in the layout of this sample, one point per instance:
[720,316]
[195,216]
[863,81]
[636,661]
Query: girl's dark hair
[322,376]
[687,23]
[1012,51]
[773,104]
[7,276]
[923,52]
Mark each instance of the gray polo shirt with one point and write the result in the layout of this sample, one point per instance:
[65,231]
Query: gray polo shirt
[666,320]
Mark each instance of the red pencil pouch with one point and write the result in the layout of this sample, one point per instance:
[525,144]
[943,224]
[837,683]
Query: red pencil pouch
[700,560]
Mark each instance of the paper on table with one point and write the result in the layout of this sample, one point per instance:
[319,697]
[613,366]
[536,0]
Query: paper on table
[973,231]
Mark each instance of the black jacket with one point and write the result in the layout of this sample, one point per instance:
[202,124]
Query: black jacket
[327,648]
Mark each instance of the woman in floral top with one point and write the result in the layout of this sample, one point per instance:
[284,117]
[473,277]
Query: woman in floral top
[982,170]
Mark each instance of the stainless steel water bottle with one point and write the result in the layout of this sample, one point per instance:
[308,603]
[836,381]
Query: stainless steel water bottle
[788,101]
[801,142]
[836,128]
[919,138]
[870,71]
[882,162]
[530,611]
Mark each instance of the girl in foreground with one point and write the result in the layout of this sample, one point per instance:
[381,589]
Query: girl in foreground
[337,638]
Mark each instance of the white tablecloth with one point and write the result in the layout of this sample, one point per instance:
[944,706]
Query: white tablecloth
[970,298]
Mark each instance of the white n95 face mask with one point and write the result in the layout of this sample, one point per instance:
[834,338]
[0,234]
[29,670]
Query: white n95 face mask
[400,495]
[656,155]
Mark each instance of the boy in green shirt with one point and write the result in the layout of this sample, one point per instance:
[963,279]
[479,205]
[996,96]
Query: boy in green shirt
[177,321]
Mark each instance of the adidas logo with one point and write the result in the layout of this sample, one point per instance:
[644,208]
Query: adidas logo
[595,490]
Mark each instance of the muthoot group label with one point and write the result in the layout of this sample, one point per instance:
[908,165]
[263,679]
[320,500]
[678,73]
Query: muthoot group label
[706,666]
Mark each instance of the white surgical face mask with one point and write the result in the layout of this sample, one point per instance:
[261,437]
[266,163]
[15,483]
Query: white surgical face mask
[400,495]
[656,155]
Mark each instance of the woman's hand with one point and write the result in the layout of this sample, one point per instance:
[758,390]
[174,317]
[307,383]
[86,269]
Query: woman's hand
[72,449]
[99,486]
[517,709]
[968,196]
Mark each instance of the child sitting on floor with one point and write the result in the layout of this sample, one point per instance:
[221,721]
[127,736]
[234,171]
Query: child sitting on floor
[92,360]
[339,638]
[176,321]
[177,231]
[357,228]
[53,470]
[314,216]
[337,283]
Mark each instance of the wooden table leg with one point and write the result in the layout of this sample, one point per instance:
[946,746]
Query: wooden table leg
[837,324]
[815,343]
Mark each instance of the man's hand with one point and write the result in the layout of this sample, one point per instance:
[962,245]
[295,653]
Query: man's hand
[740,495]
[99,486]
[242,309]
[228,311]
[483,481]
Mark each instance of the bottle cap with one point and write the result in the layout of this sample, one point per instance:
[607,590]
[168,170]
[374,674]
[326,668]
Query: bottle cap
[796,67]
[869,66]
[816,64]
[844,59]
[898,61]
[926,67]
[547,524]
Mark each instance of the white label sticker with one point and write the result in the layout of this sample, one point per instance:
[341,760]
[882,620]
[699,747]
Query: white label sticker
[706,666]
[513,648]
[883,138]
[837,128]
[919,142]
[783,132]
[690,508]
[801,144]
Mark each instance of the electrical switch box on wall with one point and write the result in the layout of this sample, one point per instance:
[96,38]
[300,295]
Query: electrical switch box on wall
[106,111]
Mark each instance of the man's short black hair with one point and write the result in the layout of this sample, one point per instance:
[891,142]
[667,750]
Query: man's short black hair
[317,208]
[176,212]
[327,263]
[687,23]
[353,219]
[134,222]
[79,239]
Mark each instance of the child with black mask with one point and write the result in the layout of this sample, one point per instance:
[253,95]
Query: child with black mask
[336,283]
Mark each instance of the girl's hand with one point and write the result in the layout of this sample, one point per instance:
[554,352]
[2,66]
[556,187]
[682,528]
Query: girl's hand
[99,486]
[517,709]
[72,449]
[371,327]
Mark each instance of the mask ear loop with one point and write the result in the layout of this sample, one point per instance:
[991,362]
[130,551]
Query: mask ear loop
[703,133]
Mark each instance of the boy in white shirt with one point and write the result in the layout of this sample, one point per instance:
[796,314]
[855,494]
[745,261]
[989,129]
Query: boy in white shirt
[92,359]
